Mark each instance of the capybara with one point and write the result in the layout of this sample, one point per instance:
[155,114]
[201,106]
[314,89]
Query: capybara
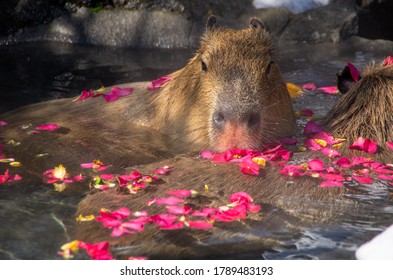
[369,100]
[230,94]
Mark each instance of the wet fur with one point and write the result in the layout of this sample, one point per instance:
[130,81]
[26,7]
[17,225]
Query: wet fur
[303,201]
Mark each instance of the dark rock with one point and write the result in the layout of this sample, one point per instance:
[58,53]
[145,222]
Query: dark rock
[332,23]
[17,14]
[375,19]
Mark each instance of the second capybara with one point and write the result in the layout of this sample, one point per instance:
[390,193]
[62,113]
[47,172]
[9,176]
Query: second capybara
[368,100]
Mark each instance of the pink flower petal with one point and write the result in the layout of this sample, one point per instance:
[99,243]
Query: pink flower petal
[161,171]
[121,91]
[107,177]
[363,180]
[329,90]
[385,177]
[111,97]
[343,162]
[354,72]
[137,225]
[240,198]
[87,165]
[332,177]
[382,170]
[84,95]
[388,61]
[78,178]
[178,210]
[237,213]
[312,128]
[206,212]
[291,170]
[180,193]
[253,208]
[163,219]
[307,113]
[172,200]
[309,86]
[390,144]
[174,226]
[312,145]
[331,184]
[156,84]
[199,224]
[249,167]
[131,177]
[3,123]
[206,154]
[316,165]
[365,145]
[49,126]
[329,152]
[97,251]
[119,231]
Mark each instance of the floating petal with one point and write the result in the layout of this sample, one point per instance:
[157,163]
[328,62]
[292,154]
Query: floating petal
[49,126]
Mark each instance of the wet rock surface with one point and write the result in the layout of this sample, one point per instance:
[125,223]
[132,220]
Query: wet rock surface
[179,23]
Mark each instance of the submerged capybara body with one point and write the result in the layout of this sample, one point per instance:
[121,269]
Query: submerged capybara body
[303,200]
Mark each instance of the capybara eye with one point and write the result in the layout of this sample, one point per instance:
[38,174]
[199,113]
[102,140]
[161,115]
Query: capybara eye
[204,67]
[218,119]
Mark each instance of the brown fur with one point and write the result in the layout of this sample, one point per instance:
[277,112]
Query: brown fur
[366,110]
[240,76]
[303,200]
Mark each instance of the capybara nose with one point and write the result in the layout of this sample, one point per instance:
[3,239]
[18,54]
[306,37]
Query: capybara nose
[250,120]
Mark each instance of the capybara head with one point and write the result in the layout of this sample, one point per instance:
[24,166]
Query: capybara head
[231,93]
[366,108]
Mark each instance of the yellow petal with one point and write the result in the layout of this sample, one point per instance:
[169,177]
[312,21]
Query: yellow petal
[7,160]
[338,145]
[100,90]
[301,149]
[13,143]
[86,218]
[294,90]
[60,172]
[260,161]
[206,187]
[59,187]
[320,142]
[41,155]
[15,164]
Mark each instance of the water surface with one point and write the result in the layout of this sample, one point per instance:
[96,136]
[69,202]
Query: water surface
[35,220]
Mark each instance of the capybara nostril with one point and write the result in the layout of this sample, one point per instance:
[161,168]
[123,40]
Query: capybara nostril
[219,120]
[253,120]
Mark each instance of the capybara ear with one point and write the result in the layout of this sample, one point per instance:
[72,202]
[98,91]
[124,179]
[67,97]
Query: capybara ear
[211,23]
[256,24]
[345,80]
